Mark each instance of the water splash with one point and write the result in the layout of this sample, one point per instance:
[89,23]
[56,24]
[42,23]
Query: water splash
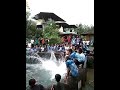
[54,68]
[45,70]
[53,58]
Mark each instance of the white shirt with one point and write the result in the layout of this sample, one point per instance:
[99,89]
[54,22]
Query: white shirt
[60,49]
[66,48]
[42,49]
[29,45]
[82,56]
[32,41]
[87,42]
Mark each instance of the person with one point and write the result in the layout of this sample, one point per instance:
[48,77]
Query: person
[36,41]
[65,39]
[29,45]
[59,85]
[72,73]
[85,46]
[34,86]
[78,58]
[43,41]
[52,47]
[48,48]
[81,57]
[27,48]
[73,47]
[66,47]
[55,47]
[70,53]
[32,41]
[40,41]
[60,48]
[47,41]
[77,40]
[38,48]
[32,49]
[69,39]
[63,48]
[73,40]
[62,40]
[42,49]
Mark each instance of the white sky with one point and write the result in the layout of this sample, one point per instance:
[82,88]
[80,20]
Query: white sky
[72,11]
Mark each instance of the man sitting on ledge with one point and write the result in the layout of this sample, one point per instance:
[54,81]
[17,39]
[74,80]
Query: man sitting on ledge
[72,74]
[80,58]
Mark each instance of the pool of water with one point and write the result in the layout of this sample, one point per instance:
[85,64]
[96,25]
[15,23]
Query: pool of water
[41,75]
[45,71]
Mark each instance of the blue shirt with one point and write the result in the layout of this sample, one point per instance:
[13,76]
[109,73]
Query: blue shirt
[73,68]
[73,41]
[79,57]
[72,55]
[82,57]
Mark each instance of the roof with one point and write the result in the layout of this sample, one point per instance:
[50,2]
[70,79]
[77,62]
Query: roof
[72,26]
[68,33]
[65,25]
[47,15]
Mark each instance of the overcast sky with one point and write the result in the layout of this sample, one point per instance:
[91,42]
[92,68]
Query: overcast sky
[72,11]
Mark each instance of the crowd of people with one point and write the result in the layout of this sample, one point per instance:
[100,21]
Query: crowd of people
[75,55]
[57,47]
[67,42]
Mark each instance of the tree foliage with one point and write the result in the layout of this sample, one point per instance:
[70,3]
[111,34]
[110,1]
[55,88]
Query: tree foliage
[31,30]
[51,31]
[84,29]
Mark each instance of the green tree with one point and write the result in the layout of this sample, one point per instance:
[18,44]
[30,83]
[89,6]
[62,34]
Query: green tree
[84,29]
[51,32]
[30,29]
[79,29]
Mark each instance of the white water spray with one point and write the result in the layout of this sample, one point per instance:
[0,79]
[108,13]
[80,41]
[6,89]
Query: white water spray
[53,65]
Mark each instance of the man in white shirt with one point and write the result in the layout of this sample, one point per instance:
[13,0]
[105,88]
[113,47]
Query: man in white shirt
[32,41]
[66,47]
[29,45]
[42,49]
